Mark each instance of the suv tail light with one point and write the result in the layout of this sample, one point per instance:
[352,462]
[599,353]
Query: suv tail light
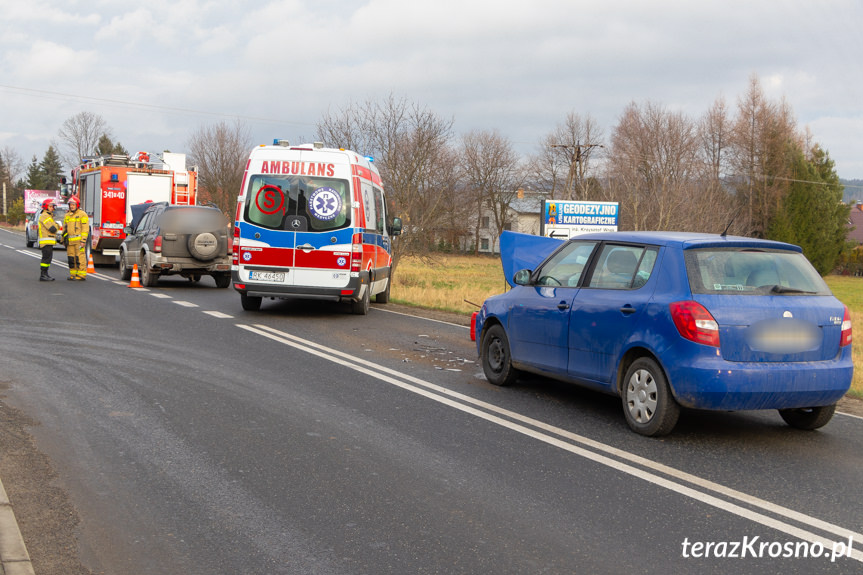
[695,323]
[845,339]
[157,244]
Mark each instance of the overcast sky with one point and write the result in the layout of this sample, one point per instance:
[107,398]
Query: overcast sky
[157,70]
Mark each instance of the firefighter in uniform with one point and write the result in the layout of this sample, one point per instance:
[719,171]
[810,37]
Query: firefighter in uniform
[76,226]
[47,238]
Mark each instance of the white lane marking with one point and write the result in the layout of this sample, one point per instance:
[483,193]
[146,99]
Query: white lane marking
[185,303]
[161,295]
[379,371]
[420,317]
[219,314]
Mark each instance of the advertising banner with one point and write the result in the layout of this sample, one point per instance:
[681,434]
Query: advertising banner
[564,219]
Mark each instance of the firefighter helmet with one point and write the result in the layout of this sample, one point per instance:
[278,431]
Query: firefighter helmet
[76,200]
[47,203]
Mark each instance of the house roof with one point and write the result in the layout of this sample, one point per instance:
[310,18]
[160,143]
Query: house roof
[855,220]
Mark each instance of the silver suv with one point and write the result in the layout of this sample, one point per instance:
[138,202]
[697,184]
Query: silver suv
[164,239]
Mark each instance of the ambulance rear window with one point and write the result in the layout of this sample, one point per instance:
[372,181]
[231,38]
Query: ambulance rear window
[272,200]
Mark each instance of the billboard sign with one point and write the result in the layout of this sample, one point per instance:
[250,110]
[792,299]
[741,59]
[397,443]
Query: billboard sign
[33,199]
[564,219]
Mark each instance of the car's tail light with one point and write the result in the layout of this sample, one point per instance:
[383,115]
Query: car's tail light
[695,323]
[356,252]
[235,246]
[473,325]
[157,244]
[846,329]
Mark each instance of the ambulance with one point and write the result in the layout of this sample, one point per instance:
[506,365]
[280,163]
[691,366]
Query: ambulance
[312,223]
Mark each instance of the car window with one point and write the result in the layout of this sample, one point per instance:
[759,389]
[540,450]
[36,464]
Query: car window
[565,267]
[324,203]
[752,271]
[623,267]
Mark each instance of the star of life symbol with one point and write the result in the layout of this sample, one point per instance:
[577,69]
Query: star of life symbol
[325,203]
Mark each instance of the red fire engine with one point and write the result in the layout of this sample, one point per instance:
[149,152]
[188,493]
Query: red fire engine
[109,185]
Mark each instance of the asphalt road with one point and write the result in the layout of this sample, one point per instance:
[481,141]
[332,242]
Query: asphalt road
[193,437]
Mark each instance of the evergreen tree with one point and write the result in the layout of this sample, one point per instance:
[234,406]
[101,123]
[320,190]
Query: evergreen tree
[811,214]
[35,176]
[105,146]
[52,169]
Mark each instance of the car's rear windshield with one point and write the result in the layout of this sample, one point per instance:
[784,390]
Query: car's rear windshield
[752,271]
[192,219]
[324,203]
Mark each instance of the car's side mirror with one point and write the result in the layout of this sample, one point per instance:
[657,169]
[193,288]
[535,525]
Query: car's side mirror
[127,230]
[396,227]
[522,277]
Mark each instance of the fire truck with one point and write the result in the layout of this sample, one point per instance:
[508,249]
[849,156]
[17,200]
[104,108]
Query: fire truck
[110,185]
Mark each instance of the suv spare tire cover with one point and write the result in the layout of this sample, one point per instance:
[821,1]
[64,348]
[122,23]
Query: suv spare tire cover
[203,246]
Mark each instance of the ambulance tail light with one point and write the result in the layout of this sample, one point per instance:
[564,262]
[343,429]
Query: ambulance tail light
[157,244]
[356,252]
[235,247]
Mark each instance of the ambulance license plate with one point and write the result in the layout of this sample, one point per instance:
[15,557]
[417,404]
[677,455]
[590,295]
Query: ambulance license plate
[278,277]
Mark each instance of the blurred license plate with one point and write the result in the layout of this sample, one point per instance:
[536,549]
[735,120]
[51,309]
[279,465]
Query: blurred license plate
[267,276]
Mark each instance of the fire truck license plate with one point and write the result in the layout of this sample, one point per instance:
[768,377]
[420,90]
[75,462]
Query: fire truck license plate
[267,276]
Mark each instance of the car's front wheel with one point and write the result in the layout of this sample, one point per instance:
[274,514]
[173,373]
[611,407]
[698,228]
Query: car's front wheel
[648,404]
[496,357]
[808,418]
[125,272]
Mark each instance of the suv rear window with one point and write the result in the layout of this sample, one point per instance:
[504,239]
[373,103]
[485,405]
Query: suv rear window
[325,203]
[192,219]
[752,271]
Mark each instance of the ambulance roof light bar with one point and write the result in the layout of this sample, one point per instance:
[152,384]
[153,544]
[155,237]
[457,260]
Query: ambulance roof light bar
[283,143]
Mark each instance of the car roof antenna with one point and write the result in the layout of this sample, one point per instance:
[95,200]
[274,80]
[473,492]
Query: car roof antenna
[725,231]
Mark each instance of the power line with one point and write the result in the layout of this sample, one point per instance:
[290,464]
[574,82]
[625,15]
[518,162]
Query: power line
[154,107]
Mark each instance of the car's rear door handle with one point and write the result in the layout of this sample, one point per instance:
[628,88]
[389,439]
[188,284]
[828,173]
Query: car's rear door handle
[627,309]
[562,306]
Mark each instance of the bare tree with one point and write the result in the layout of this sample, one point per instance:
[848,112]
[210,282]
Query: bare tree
[220,151]
[80,135]
[409,144]
[763,137]
[492,173]
[652,166]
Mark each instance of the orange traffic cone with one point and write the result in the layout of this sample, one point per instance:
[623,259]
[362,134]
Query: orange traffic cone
[91,269]
[136,282]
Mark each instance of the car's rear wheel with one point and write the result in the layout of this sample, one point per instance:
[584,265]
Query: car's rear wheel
[223,280]
[808,418]
[496,358]
[361,306]
[250,302]
[648,404]
[125,272]
[149,278]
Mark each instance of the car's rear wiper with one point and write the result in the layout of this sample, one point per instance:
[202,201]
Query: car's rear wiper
[783,289]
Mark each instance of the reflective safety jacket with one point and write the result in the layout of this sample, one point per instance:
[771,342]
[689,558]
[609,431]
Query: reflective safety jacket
[76,225]
[47,229]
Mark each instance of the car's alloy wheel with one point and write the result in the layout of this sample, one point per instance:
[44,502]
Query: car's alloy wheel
[496,359]
[648,404]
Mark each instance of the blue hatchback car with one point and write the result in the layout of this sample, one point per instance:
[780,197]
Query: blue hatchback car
[668,319]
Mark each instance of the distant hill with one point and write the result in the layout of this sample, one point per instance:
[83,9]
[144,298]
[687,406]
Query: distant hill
[853,191]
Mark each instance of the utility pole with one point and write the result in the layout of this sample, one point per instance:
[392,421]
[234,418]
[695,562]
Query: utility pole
[575,162]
